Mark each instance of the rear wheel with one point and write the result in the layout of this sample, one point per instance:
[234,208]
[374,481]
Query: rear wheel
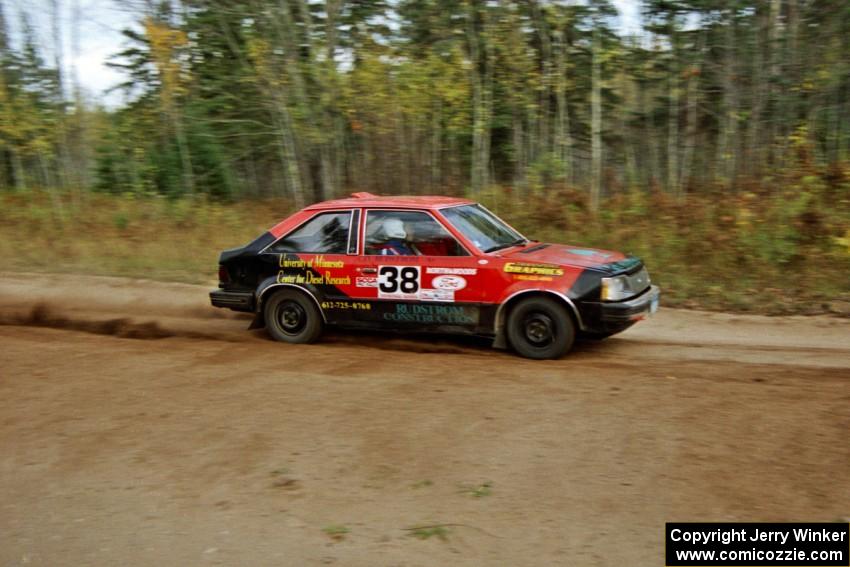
[540,328]
[292,317]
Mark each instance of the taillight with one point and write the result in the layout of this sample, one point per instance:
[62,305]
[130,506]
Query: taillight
[223,276]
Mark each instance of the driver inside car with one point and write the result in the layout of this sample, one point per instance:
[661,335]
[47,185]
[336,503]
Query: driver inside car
[395,243]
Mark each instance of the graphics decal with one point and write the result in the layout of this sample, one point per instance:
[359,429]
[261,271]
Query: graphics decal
[533,269]
[361,305]
[437,295]
[405,282]
[452,271]
[366,281]
[292,261]
[313,271]
[398,282]
[453,283]
[588,253]
[439,314]
[312,278]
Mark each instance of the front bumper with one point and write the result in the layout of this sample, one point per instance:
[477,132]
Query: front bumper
[235,300]
[613,317]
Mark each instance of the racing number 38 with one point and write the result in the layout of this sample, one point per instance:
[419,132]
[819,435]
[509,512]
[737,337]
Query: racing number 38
[398,279]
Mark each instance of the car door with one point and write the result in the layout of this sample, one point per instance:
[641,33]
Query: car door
[415,274]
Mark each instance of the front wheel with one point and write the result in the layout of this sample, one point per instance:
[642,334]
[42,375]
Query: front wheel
[540,328]
[292,317]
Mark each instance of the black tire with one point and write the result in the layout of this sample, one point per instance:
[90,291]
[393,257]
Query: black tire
[540,328]
[292,317]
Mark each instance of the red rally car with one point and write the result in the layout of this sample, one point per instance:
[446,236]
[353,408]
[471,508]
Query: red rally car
[429,264]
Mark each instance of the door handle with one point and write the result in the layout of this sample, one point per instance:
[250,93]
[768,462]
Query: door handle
[368,270]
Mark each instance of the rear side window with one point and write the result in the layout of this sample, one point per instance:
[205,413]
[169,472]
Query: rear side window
[326,233]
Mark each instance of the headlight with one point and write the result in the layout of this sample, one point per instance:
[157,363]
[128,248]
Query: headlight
[615,289]
[624,286]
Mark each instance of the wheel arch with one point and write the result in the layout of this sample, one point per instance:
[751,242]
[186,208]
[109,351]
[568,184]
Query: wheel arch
[500,340]
[268,290]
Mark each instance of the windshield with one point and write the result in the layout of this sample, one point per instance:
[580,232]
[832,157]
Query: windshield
[481,227]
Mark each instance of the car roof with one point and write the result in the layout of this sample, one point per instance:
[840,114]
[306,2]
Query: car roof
[358,200]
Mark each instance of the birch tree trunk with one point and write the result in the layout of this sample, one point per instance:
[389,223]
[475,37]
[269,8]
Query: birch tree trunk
[288,150]
[673,123]
[563,136]
[726,152]
[595,126]
[691,104]
[481,103]
[18,170]
[62,155]
[436,143]
[753,150]
[183,148]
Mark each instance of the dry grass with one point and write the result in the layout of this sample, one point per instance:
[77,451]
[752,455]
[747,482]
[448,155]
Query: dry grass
[127,236]
[779,252]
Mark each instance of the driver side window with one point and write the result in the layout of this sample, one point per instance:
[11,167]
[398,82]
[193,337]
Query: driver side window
[408,233]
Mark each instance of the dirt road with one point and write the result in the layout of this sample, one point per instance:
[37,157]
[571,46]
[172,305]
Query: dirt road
[138,426]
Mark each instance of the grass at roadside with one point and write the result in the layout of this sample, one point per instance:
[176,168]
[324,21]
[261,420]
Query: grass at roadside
[777,252]
[150,237]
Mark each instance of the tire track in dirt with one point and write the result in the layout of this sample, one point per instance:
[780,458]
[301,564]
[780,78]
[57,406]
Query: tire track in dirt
[43,315]
[147,310]
[203,442]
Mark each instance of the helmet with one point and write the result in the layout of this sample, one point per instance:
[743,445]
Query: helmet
[394,228]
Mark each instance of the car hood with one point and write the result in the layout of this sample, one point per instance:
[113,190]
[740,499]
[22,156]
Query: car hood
[562,254]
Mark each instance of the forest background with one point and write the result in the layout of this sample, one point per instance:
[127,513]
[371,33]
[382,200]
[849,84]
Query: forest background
[712,138]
